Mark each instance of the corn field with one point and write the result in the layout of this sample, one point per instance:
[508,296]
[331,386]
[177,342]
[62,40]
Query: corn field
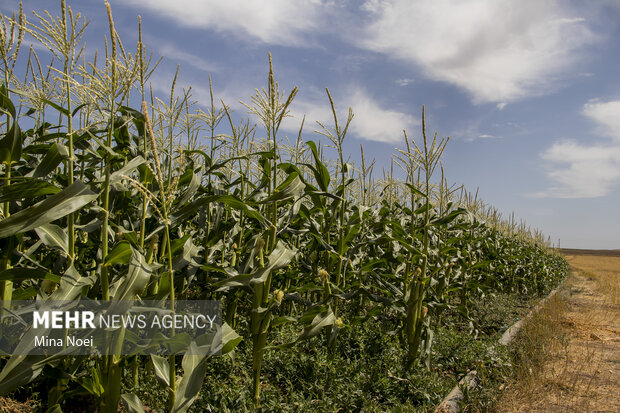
[109,192]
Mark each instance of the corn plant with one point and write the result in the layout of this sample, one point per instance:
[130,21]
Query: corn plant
[104,201]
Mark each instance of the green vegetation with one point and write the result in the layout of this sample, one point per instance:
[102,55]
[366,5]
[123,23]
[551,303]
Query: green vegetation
[338,289]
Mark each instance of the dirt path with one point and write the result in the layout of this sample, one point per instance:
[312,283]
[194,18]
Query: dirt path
[581,372]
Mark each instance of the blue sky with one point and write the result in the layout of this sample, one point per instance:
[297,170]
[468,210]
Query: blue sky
[528,91]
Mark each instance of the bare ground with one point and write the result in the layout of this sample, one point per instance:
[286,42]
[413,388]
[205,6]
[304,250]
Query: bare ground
[580,370]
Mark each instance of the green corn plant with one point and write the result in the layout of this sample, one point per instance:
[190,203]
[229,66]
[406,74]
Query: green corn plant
[211,119]
[110,366]
[11,36]
[337,138]
[367,195]
[105,282]
[271,109]
[163,211]
[339,206]
[425,159]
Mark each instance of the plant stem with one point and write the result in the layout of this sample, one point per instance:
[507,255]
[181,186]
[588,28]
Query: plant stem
[171,358]
[68,43]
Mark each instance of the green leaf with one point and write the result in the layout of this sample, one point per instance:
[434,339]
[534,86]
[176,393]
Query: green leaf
[278,321]
[56,106]
[194,367]
[161,368]
[132,403]
[163,285]
[230,339]
[54,409]
[93,383]
[54,156]
[44,137]
[450,217]
[324,319]
[192,188]
[21,274]
[189,251]
[137,117]
[146,175]
[77,109]
[69,200]
[138,276]
[423,209]
[25,293]
[279,258]
[31,188]
[481,264]
[351,234]
[321,320]
[53,236]
[179,243]
[320,172]
[127,169]
[214,268]
[5,102]
[312,312]
[415,190]
[11,145]
[291,188]
[71,284]
[185,212]
[120,254]
[21,369]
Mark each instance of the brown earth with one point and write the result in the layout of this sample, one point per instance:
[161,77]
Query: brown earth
[600,253]
[579,338]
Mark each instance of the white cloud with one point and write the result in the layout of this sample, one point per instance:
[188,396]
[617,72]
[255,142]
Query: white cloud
[372,121]
[404,81]
[271,21]
[606,114]
[592,171]
[497,50]
[376,123]
[582,171]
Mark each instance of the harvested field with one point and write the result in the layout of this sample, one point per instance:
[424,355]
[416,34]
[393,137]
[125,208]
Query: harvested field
[599,253]
[577,343]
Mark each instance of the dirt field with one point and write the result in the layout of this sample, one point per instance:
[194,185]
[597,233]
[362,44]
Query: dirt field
[580,340]
[600,253]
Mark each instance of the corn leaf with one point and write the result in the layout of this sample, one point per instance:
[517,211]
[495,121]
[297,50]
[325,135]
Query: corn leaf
[132,403]
[53,236]
[31,188]
[59,205]
[22,274]
[54,156]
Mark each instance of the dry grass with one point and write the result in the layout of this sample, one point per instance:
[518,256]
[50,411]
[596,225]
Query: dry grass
[605,271]
[568,357]
[11,406]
